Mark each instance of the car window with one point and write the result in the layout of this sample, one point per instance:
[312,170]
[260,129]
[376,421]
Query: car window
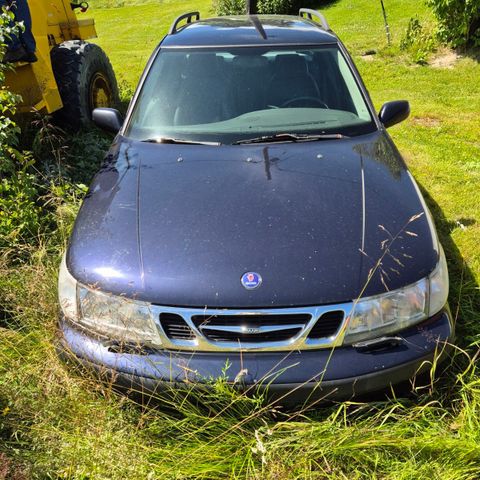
[228,95]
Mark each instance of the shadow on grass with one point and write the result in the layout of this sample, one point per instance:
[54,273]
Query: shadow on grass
[61,155]
[472,53]
[464,295]
[323,5]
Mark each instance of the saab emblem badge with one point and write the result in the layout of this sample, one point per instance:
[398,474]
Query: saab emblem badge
[251,280]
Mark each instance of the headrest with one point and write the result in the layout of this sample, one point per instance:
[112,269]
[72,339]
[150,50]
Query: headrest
[290,64]
[202,63]
[250,61]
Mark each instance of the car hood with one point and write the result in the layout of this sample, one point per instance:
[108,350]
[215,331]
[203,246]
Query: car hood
[320,222]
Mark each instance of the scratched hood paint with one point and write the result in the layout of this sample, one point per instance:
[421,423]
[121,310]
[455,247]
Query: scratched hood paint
[181,224]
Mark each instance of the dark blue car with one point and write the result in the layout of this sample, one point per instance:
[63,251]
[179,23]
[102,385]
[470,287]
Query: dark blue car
[254,219]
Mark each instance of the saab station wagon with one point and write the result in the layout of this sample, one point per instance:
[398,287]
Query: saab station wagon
[253,212]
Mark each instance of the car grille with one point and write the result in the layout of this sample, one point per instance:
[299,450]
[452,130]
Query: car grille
[175,327]
[327,325]
[260,330]
[250,328]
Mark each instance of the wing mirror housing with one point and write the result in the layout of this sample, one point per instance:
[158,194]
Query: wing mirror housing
[107,119]
[394,112]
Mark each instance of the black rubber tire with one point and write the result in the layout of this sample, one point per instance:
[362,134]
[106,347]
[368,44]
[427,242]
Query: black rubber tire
[75,65]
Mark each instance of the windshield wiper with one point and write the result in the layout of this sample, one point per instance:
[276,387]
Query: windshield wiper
[291,137]
[179,141]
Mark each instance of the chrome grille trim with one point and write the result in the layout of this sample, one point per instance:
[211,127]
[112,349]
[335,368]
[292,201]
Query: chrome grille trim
[250,330]
[299,341]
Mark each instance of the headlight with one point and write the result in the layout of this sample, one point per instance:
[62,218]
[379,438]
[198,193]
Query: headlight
[439,285]
[121,319]
[67,291]
[394,311]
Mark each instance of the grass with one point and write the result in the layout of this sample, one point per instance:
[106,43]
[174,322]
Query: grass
[130,43]
[56,424]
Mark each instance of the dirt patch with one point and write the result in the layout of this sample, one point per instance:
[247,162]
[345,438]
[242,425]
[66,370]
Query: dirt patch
[4,466]
[428,122]
[7,470]
[445,59]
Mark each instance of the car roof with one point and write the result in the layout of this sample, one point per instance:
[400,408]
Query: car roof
[250,30]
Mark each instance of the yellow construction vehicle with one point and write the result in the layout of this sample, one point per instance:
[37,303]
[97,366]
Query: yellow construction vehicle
[71,76]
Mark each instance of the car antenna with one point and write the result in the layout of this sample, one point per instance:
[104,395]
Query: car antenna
[258,25]
[251,7]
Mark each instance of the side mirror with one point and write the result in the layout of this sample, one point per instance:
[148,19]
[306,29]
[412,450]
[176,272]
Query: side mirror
[107,119]
[394,112]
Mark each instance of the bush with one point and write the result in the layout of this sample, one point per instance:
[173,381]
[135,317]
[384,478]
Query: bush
[418,41]
[239,7]
[230,7]
[276,6]
[459,21]
[28,197]
[19,213]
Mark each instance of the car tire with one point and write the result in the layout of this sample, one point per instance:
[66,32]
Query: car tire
[85,80]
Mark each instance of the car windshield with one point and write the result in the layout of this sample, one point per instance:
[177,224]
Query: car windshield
[228,95]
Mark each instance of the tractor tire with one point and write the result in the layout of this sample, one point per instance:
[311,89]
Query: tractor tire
[85,80]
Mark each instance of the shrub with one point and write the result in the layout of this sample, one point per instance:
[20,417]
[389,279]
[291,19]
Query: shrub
[230,7]
[238,7]
[19,213]
[276,6]
[9,130]
[459,21]
[418,41]
[27,197]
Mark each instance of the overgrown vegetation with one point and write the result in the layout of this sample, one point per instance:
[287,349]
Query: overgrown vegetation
[459,21]
[19,214]
[33,181]
[277,6]
[229,7]
[55,423]
[236,7]
[418,40]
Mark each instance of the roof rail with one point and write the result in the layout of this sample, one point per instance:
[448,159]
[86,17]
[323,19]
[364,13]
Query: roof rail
[189,17]
[309,13]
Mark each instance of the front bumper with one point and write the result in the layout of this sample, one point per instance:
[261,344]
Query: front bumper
[290,377]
